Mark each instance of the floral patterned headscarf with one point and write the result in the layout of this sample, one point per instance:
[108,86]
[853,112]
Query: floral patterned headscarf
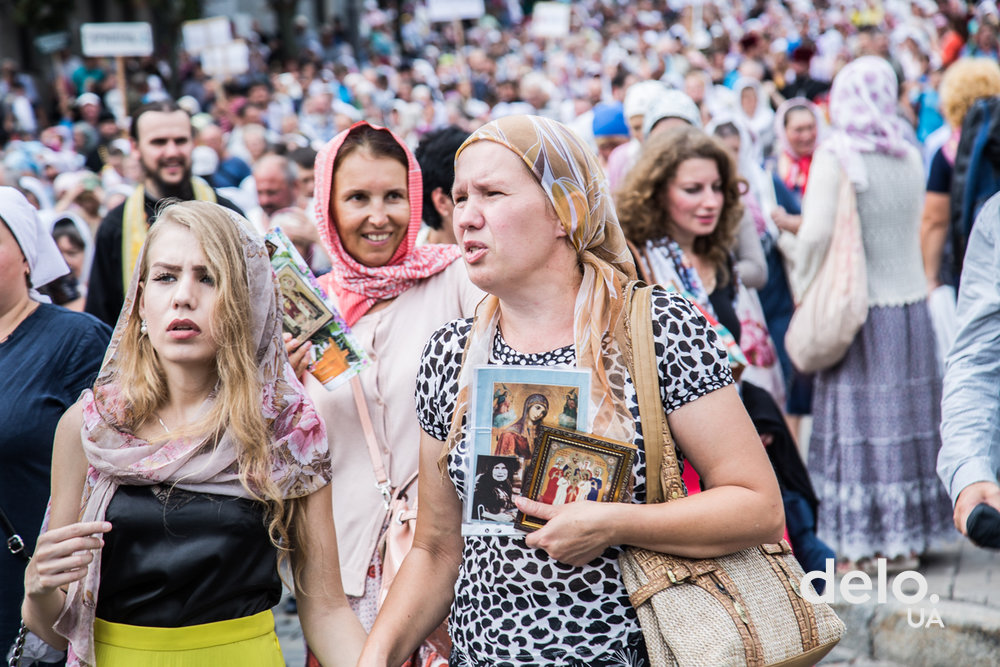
[863,103]
[574,182]
[300,460]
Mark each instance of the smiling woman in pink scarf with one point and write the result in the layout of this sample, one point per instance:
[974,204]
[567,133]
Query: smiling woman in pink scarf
[393,294]
[194,465]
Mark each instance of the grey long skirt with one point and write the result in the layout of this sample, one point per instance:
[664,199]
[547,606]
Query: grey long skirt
[875,440]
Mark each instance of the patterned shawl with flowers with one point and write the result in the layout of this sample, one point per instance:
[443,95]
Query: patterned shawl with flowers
[359,287]
[863,108]
[300,460]
[572,179]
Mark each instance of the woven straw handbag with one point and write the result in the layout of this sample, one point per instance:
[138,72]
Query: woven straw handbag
[745,608]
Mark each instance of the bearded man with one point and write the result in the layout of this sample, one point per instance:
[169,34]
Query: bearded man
[162,138]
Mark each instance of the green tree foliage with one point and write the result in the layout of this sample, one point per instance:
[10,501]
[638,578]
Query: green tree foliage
[40,17]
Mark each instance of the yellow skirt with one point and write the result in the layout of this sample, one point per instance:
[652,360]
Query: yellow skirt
[240,642]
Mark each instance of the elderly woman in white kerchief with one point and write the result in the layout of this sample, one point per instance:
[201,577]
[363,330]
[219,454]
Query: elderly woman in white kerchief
[638,99]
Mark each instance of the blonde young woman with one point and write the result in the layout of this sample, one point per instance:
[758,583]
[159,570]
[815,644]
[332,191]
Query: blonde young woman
[200,462]
[538,232]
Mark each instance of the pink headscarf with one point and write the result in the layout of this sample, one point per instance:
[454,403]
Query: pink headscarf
[359,287]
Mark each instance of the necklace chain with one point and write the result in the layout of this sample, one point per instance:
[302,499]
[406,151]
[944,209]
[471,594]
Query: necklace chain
[159,419]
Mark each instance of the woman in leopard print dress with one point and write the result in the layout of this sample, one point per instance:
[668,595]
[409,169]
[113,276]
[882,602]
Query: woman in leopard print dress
[539,234]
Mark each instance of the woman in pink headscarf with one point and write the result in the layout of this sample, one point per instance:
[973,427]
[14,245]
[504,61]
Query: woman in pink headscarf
[393,294]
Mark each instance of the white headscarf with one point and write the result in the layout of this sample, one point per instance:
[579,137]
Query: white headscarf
[37,188]
[670,104]
[51,218]
[640,96]
[45,261]
[762,121]
[749,168]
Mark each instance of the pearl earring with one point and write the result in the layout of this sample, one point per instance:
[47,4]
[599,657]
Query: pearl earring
[143,329]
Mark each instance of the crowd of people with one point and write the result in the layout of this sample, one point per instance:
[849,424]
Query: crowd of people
[467,197]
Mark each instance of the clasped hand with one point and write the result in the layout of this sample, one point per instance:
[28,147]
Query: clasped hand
[576,533]
[298,353]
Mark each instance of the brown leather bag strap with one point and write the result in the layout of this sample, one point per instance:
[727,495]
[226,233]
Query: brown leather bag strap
[641,260]
[663,478]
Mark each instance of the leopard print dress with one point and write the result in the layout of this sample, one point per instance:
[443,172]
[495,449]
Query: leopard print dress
[515,605]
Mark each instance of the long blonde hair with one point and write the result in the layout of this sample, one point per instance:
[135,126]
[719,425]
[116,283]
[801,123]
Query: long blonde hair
[237,404]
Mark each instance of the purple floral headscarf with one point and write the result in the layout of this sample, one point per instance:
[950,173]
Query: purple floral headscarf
[863,105]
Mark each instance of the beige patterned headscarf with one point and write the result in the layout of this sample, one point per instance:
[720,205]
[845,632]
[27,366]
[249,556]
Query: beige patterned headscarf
[577,187]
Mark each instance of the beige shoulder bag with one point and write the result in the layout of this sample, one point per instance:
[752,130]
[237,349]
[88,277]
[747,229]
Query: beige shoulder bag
[834,306]
[745,608]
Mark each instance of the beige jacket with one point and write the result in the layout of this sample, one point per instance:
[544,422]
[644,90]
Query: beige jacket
[394,336]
